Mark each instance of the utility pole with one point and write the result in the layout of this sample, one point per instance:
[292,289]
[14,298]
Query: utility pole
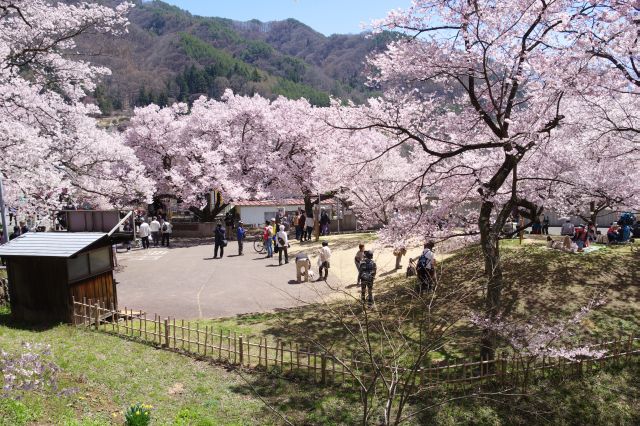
[5,225]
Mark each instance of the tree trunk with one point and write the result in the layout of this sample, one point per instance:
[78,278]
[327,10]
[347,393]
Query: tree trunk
[489,241]
[308,205]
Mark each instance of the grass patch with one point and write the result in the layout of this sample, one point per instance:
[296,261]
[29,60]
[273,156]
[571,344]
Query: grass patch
[103,374]
[540,283]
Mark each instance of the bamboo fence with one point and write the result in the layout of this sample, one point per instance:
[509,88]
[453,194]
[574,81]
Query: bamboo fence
[292,359]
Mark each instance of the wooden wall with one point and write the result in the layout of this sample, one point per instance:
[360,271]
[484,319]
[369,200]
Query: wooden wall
[38,289]
[98,288]
[40,292]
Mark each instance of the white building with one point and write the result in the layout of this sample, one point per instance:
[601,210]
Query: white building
[256,213]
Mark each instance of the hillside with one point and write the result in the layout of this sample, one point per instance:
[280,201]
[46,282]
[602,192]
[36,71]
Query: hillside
[169,54]
[101,375]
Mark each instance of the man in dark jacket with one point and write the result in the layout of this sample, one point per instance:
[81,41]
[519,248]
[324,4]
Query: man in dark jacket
[324,223]
[240,234]
[220,237]
[367,275]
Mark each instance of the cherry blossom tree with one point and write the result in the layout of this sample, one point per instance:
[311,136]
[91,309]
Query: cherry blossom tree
[508,77]
[50,145]
[242,146]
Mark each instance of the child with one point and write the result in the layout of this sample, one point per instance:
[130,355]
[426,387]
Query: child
[323,261]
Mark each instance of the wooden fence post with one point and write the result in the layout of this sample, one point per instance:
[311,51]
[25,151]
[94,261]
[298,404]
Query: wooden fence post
[166,333]
[323,369]
[97,318]
[241,350]
[206,338]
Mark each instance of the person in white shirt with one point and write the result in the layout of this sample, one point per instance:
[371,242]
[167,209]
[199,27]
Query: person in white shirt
[166,230]
[282,239]
[144,231]
[308,223]
[567,228]
[155,231]
[323,261]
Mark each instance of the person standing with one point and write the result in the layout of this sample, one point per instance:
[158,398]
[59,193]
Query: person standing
[323,261]
[358,259]
[228,222]
[309,226]
[15,233]
[155,231]
[267,237]
[425,269]
[302,221]
[324,223]
[144,231]
[167,230]
[240,234]
[23,227]
[296,224]
[283,244]
[366,275]
[545,225]
[219,240]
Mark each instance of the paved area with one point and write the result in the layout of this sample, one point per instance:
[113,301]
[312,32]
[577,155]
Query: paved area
[186,282]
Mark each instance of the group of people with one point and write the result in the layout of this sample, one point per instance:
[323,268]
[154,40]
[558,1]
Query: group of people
[276,239]
[580,236]
[367,270]
[423,266]
[303,264]
[577,238]
[220,236]
[18,230]
[303,225]
[158,230]
[540,227]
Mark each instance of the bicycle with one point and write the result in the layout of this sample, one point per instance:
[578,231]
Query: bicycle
[258,244]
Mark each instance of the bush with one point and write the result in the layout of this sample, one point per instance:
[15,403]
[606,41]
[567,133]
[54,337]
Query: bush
[138,415]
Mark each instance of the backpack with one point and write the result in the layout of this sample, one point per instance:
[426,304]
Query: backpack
[424,264]
[164,227]
[281,241]
[366,271]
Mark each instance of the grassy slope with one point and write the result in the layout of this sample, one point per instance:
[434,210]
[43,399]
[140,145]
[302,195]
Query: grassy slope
[110,373]
[539,283]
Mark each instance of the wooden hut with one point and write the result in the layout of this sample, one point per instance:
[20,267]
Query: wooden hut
[46,270]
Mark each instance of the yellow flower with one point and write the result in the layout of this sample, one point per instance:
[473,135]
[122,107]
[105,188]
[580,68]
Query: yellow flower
[137,413]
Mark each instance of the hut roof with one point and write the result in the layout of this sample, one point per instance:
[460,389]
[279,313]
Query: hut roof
[50,244]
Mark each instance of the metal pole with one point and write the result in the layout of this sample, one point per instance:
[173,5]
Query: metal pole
[5,225]
[338,213]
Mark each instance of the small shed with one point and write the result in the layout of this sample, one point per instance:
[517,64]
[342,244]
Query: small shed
[46,270]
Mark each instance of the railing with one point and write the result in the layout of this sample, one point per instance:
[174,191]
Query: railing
[296,359]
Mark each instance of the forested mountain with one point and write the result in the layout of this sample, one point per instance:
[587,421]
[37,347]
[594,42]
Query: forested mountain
[169,54]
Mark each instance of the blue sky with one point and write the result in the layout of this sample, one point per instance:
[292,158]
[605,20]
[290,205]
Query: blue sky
[325,16]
